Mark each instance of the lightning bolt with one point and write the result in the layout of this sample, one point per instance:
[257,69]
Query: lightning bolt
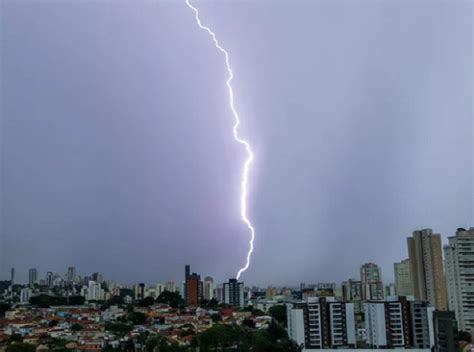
[238,139]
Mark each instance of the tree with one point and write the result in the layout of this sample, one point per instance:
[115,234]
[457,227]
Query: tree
[53,323]
[146,302]
[249,323]
[76,300]
[278,313]
[21,347]
[216,318]
[465,336]
[136,318]
[173,299]
[118,328]
[115,301]
[16,338]
[3,308]
[76,327]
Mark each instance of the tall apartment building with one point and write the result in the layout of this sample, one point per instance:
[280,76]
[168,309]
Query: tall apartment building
[234,293]
[71,274]
[321,323]
[371,282]
[32,276]
[352,292]
[398,323]
[170,286]
[459,259]
[445,331]
[421,324]
[193,289]
[94,291]
[426,268]
[403,282]
[208,288]
[140,290]
[49,278]
[187,273]
[12,277]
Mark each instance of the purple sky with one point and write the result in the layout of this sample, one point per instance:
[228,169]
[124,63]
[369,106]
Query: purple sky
[116,146]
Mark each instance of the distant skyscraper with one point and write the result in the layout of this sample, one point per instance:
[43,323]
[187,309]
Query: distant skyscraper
[371,282]
[234,293]
[208,288]
[97,277]
[32,276]
[159,289]
[459,257]
[49,279]
[351,290]
[426,268]
[140,291]
[187,273]
[12,277]
[390,290]
[93,291]
[170,286]
[403,283]
[193,289]
[71,274]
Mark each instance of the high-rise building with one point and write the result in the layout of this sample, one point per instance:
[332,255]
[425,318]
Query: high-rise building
[384,324]
[321,322]
[71,274]
[398,323]
[32,276]
[220,293]
[403,283]
[25,295]
[94,291]
[371,282]
[187,273]
[352,292]
[234,293]
[378,325]
[170,286]
[445,332]
[159,288]
[193,289]
[426,268]
[208,288]
[49,278]
[390,290]
[97,277]
[459,259]
[12,277]
[421,324]
[140,291]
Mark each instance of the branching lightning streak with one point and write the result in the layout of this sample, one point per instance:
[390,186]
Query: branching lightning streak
[238,139]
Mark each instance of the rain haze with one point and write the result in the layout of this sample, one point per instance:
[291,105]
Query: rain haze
[117,153]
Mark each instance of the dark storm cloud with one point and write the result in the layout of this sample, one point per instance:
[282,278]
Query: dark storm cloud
[117,154]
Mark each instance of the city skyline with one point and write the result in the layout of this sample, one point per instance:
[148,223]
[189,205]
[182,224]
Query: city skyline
[370,275]
[115,139]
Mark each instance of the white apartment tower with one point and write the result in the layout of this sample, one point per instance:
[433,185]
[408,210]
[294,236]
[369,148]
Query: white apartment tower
[321,323]
[208,288]
[459,262]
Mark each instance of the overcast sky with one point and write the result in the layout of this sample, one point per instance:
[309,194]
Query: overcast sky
[116,146]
